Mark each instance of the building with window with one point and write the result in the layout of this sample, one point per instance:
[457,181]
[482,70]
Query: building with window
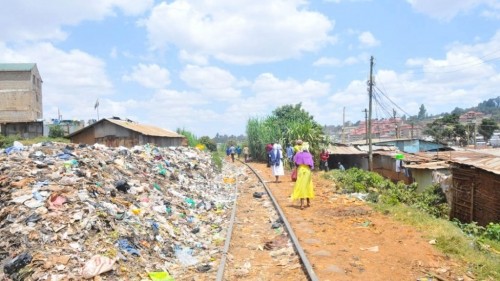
[21,109]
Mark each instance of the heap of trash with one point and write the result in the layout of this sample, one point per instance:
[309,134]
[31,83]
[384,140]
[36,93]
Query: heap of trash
[75,212]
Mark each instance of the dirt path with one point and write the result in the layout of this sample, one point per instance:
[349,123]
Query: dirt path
[346,240]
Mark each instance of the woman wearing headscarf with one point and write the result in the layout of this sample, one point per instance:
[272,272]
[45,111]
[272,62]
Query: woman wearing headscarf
[276,160]
[304,188]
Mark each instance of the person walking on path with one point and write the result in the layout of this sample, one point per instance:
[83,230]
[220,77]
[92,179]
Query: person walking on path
[304,188]
[277,162]
[323,160]
[232,150]
[289,155]
[246,152]
[298,143]
[238,151]
[269,148]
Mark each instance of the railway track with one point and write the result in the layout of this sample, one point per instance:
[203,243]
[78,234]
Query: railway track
[260,243]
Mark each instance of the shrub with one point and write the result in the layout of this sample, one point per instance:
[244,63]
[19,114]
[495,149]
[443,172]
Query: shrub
[56,131]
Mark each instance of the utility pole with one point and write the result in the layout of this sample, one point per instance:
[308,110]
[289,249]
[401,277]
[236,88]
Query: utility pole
[370,93]
[366,125]
[412,123]
[475,132]
[395,122]
[343,126]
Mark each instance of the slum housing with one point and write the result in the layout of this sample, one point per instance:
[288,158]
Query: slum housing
[470,178]
[114,132]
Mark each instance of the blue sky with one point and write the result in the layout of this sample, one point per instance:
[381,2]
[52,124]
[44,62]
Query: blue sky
[209,66]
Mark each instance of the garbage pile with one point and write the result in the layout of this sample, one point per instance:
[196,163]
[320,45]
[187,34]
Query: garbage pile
[75,212]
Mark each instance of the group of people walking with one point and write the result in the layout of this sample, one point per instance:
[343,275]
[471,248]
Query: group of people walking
[236,151]
[299,158]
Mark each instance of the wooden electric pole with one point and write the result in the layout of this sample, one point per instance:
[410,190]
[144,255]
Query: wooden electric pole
[370,93]
[343,126]
[366,125]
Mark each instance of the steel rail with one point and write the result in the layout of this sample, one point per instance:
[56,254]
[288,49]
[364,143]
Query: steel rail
[305,262]
[222,265]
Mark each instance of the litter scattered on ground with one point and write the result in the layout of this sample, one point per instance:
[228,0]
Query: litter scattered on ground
[72,212]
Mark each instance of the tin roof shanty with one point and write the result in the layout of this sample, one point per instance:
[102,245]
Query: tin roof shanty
[115,132]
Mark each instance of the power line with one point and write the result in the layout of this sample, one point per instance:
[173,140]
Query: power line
[402,110]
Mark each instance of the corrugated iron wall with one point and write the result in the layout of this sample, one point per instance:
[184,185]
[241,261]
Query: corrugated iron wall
[476,195]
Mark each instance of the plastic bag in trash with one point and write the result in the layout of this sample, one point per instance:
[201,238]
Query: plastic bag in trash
[17,263]
[97,265]
[184,255]
[125,244]
[160,276]
[122,186]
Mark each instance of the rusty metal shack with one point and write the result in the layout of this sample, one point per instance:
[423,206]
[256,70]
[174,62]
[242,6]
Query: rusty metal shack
[114,132]
[476,188]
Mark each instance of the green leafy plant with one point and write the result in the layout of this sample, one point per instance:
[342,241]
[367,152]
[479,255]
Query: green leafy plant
[492,231]
[6,141]
[191,138]
[56,131]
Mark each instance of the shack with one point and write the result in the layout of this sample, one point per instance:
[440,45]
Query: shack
[476,189]
[412,145]
[114,132]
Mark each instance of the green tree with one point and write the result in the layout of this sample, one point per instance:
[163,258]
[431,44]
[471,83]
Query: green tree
[208,142]
[422,113]
[287,118]
[286,124]
[487,127]
[56,131]
[448,129]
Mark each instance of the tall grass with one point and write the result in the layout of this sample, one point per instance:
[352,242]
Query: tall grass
[191,138]
[259,134]
[485,264]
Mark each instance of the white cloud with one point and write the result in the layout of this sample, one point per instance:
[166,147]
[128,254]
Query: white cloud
[464,77]
[71,79]
[445,9]
[193,58]
[214,82]
[367,40]
[267,85]
[243,32]
[331,61]
[327,61]
[36,20]
[150,76]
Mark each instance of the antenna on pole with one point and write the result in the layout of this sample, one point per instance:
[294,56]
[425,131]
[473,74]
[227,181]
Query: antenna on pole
[96,107]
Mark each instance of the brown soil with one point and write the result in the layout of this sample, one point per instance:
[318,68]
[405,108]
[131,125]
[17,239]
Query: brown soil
[345,239]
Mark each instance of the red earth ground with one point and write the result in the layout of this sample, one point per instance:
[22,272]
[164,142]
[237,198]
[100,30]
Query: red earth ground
[345,239]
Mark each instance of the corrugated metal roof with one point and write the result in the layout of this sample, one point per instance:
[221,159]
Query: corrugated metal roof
[344,150]
[429,165]
[16,66]
[146,129]
[482,159]
[488,163]
[408,157]
[366,148]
